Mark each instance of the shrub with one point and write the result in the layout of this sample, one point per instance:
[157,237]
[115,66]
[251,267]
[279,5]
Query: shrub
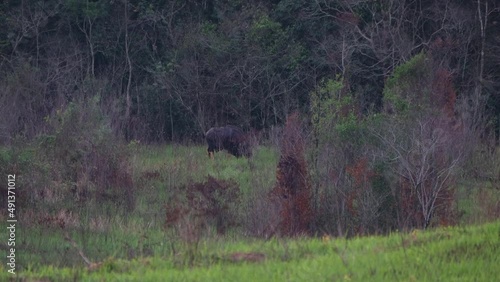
[85,161]
[211,203]
[293,190]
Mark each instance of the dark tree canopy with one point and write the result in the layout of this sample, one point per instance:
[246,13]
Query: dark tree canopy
[168,70]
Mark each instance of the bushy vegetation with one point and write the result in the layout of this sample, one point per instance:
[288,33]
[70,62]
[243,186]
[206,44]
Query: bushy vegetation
[74,171]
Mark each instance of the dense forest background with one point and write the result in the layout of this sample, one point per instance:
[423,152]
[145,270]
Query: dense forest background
[169,70]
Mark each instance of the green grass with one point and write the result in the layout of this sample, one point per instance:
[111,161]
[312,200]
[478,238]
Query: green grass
[177,165]
[191,163]
[445,254]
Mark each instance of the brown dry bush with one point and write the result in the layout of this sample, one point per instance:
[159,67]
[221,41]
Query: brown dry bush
[292,192]
[262,216]
[202,205]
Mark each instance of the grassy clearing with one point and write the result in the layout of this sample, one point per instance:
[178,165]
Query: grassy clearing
[179,164]
[131,246]
[444,254]
[104,230]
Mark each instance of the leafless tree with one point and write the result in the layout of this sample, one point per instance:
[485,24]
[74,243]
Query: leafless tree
[425,154]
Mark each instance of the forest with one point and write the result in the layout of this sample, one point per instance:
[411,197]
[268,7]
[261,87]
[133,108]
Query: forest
[169,70]
[365,117]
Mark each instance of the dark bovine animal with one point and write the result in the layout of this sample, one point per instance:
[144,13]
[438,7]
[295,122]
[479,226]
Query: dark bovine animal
[229,138]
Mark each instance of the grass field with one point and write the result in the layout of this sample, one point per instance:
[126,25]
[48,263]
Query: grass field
[120,245]
[446,254]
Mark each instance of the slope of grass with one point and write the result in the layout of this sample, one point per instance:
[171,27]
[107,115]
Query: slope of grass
[444,254]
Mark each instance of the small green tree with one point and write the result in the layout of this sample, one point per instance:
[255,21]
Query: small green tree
[343,195]
[408,86]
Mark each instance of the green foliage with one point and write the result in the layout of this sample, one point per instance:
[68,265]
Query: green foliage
[268,34]
[324,104]
[333,114]
[409,85]
[88,9]
[409,73]
[275,41]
